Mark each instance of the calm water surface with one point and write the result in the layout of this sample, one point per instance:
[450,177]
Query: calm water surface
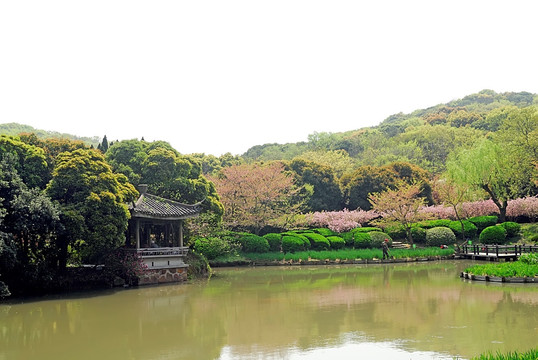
[400,311]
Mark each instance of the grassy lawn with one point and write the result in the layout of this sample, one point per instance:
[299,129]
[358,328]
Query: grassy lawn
[527,265]
[507,269]
[343,254]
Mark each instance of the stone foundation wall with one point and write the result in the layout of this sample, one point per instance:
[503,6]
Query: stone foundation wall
[161,276]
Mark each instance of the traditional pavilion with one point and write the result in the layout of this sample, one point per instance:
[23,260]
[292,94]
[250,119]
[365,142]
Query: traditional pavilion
[156,232]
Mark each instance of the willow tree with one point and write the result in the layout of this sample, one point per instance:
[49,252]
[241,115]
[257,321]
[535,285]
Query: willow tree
[487,167]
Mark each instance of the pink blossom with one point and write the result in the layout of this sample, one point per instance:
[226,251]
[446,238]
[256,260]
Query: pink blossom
[341,221]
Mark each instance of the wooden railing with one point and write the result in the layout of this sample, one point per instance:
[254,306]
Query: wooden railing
[498,250]
[163,251]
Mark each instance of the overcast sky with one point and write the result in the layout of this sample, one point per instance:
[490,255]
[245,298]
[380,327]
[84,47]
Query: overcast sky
[222,76]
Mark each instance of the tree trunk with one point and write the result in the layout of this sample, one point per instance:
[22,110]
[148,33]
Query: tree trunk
[502,205]
[409,235]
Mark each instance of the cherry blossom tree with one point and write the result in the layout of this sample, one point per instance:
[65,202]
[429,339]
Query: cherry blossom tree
[256,195]
[401,206]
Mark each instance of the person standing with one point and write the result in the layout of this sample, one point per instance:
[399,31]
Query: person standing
[385,246]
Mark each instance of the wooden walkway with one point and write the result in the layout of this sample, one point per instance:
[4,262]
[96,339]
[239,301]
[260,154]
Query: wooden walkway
[496,252]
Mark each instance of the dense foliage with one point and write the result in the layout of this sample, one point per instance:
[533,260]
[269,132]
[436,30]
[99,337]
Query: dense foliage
[167,173]
[274,241]
[493,235]
[254,244]
[482,222]
[440,236]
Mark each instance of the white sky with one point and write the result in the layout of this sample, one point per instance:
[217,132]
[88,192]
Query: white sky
[221,76]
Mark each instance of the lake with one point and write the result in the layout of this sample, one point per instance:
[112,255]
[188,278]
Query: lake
[417,310]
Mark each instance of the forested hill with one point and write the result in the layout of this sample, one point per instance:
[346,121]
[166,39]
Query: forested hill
[16,129]
[424,137]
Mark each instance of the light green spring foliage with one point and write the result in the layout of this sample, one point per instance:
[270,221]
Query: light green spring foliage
[30,161]
[168,173]
[84,185]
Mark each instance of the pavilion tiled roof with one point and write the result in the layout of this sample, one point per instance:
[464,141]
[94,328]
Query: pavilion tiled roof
[153,206]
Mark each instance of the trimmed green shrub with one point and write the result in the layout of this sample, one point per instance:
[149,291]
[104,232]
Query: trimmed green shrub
[471,231]
[324,231]
[212,247]
[419,234]
[483,222]
[396,232]
[493,235]
[440,236]
[292,244]
[512,228]
[318,241]
[430,224]
[336,242]
[348,238]
[306,242]
[350,235]
[362,241]
[254,244]
[377,238]
[274,241]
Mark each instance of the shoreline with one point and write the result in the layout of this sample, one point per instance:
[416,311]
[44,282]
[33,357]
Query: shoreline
[245,263]
[499,279]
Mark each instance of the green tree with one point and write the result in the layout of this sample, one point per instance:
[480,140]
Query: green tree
[103,146]
[493,119]
[126,157]
[338,160]
[168,173]
[357,186]
[212,164]
[30,216]
[326,191]
[438,142]
[86,188]
[30,161]
[488,167]
[520,131]
[411,173]
[463,118]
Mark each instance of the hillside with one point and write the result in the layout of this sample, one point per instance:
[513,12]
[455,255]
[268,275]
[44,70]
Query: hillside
[16,129]
[424,137]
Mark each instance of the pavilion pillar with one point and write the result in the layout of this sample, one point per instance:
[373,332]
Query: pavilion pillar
[180,233]
[166,234]
[137,233]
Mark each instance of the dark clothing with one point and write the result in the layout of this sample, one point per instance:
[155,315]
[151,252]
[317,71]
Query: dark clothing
[385,250]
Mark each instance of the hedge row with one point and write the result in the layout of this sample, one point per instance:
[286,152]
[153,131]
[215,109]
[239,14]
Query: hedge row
[431,233]
[472,228]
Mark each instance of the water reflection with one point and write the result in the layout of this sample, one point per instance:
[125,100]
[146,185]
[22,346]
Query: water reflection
[418,311]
